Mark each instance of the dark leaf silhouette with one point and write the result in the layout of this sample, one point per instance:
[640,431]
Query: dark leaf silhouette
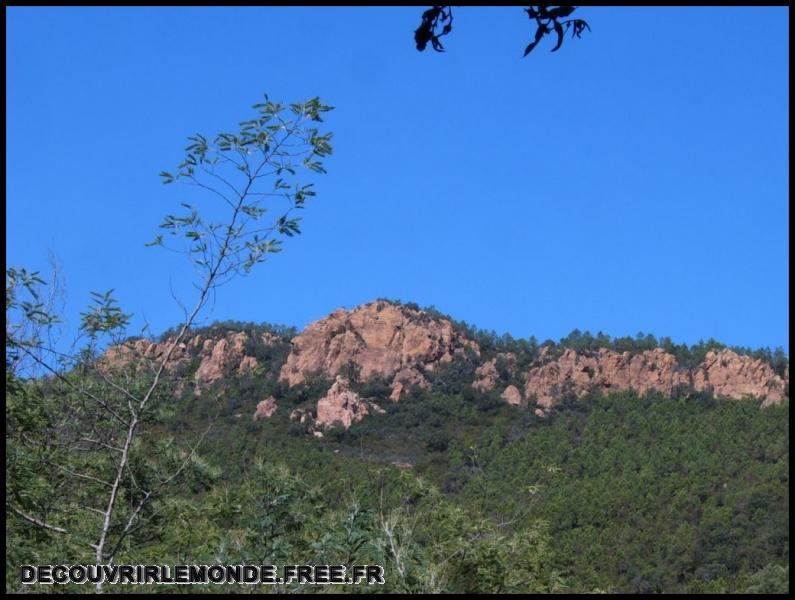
[431,13]
[561,11]
[539,34]
[578,26]
[546,18]
[431,19]
[559,31]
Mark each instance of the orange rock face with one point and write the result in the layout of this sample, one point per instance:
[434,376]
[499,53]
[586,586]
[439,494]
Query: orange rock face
[220,358]
[512,395]
[342,406]
[265,409]
[227,354]
[727,373]
[403,380]
[403,345]
[145,357]
[380,338]
[487,374]
[736,376]
[142,353]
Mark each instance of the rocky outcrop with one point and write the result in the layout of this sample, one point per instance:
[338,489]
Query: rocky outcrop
[725,372]
[403,346]
[403,380]
[380,338]
[487,374]
[341,406]
[144,357]
[225,354]
[247,363]
[604,370]
[512,395]
[219,357]
[733,375]
[226,357]
[265,409]
[143,354]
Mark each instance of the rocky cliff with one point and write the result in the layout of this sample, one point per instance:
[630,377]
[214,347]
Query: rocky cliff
[724,372]
[380,338]
[342,406]
[217,356]
[404,346]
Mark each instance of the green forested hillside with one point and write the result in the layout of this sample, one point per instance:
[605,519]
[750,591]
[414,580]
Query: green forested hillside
[650,494]
[455,491]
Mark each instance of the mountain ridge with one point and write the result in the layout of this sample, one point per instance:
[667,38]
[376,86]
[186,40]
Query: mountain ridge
[404,347]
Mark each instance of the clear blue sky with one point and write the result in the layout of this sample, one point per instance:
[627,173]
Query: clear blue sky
[637,180]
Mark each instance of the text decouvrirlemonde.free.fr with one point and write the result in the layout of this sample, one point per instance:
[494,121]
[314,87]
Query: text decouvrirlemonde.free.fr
[203,574]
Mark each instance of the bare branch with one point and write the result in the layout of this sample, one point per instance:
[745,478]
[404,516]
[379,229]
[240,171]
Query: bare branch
[34,520]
